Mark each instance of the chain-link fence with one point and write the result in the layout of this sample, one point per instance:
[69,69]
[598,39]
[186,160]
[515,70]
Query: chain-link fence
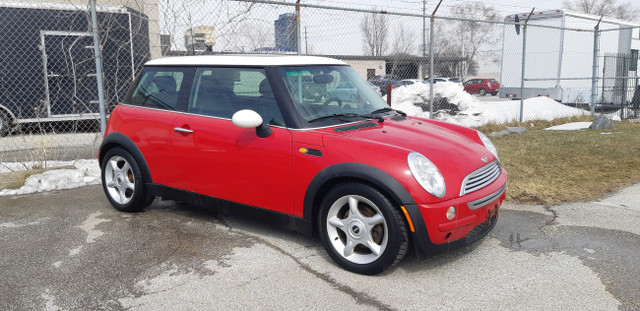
[475,61]
[49,98]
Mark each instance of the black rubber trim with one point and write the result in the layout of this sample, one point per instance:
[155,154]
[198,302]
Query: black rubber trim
[314,152]
[420,238]
[370,174]
[355,127]
[424,247]
[232,208]
[285,103]
[119,139]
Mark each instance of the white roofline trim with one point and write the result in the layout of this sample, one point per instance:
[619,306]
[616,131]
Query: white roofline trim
[244,60]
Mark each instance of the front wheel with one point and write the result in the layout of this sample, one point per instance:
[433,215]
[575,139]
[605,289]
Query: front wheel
[482,92]
[123,183]
[361,230]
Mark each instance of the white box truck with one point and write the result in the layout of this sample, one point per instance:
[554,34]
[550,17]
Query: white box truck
[559,59]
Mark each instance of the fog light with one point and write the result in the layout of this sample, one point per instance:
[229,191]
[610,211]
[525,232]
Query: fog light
[451,212]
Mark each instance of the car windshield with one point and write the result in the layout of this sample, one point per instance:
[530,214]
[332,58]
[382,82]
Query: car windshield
[334,93]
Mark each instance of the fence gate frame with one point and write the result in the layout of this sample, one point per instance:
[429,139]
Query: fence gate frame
[46,74]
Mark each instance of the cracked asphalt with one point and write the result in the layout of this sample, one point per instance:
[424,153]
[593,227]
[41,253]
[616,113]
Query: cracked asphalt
[69,250]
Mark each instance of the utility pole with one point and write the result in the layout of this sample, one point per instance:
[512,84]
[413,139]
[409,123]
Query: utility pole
[306,42]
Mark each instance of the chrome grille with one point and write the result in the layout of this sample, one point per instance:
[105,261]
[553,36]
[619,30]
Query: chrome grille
[488,199]
[480,178]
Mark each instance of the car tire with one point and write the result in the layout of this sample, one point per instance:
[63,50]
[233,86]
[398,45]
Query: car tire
[361,230]
[5,123]
[123,182]
[494,93]
[482,92]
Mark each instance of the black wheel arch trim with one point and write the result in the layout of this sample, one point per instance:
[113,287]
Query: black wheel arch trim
[378,178]
[373,175]
[119,139]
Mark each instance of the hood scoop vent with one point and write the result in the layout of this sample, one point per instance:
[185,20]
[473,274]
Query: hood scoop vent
[398,118]
[355,127]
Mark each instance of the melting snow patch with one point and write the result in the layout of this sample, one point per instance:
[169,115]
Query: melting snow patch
[570,126]
[86,172]
[90,224]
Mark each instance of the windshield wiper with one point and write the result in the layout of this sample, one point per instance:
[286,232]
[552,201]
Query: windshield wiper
[334,116]
[365,116]
[387,109]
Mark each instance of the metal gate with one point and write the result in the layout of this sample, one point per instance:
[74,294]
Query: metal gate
[69,73]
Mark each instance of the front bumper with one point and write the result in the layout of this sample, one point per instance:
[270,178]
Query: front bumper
[476,215]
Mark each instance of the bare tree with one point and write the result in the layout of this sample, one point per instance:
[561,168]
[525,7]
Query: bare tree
[609,8]
[472,36]
[404,41]
[250,36]
[375,30]
[178,16]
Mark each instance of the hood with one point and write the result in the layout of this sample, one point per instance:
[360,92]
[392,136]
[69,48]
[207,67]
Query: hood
[455,150]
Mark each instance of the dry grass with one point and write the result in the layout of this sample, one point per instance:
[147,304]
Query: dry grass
[551,167]
[15,180]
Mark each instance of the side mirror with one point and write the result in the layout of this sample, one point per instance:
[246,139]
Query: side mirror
[250,119]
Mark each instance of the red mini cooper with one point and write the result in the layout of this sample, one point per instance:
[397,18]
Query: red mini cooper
[264,136]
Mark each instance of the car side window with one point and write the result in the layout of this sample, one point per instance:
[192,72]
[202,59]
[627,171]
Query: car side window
[158,88]
[221,92]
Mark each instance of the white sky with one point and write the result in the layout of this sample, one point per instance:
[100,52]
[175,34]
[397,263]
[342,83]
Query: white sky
[328,32]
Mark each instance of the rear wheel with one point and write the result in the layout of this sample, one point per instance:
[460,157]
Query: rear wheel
[361,230]
[123,183]
[482,92]
[494,93]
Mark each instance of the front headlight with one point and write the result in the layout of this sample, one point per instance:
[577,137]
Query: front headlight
[426,174]
[487,143]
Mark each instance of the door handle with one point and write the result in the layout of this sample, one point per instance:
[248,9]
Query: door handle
[182,130]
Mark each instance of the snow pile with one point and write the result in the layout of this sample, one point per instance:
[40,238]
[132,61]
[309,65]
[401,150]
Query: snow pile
[472,112]
[86,172]
[408,95]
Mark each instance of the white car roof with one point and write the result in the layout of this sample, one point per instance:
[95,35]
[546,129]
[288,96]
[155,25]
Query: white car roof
[245,60]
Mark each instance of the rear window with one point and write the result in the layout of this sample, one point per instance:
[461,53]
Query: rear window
[158,88]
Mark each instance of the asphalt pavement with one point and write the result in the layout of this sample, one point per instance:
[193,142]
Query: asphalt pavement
[70,250]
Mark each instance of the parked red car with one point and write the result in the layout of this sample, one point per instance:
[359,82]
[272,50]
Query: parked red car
[482,86]
[238,133]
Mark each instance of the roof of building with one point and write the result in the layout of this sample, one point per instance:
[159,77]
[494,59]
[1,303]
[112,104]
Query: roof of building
[246,60]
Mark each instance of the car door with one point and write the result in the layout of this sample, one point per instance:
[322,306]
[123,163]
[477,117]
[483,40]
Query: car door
[148,116]
[221,160]
[472,87]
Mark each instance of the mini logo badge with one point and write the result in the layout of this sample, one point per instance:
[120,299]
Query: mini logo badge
[484,159]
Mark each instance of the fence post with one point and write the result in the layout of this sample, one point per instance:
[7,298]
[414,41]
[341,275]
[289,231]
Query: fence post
[298,38]
[98,56]
[524,54]
[594,77]
[431,24]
